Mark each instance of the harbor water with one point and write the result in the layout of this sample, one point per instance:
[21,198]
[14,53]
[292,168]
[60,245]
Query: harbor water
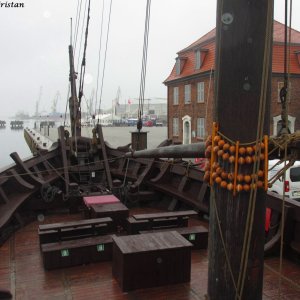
[13,140]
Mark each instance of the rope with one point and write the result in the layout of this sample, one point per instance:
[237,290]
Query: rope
[81,35]
[103,72]
[99,53]
[207,102]
[83,64]
[144,67]
[286,83]
[77,23]
[62,168]
[65,118]
[223,241]
[256,165]
[290,281]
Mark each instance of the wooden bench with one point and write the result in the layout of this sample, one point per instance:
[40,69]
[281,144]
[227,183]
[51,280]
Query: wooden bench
[159,220]
[77,252]
[55,232]
[197,235]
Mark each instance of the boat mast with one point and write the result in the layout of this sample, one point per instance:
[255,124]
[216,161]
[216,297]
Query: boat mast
[243,34]
[75,113]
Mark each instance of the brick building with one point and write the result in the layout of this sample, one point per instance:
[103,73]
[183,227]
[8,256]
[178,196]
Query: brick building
[191,87]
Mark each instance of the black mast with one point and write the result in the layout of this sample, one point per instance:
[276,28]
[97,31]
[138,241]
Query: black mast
[242,84]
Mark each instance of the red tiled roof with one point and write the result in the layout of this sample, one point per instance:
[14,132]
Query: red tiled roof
[208,36]
[209,63]
[278,33]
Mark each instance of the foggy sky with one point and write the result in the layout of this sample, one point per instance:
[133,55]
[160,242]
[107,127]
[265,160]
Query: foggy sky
[35,39]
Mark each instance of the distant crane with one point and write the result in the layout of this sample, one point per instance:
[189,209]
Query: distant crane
[37,103]
[116,101]
[54,103]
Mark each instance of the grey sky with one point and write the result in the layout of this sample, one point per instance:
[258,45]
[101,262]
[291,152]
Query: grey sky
[34,47]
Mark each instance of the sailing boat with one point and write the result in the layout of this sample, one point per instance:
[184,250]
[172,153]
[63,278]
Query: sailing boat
[51,185]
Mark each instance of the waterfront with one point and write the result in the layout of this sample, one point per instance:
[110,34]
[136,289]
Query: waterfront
[13,140]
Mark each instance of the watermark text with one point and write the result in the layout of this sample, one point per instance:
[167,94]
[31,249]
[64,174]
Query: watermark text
[11,4]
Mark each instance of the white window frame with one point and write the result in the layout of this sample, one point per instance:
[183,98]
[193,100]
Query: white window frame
[200,127]
[200,92]
[197,59]
[175,95]
[175,126]
[187,94]
[186,130]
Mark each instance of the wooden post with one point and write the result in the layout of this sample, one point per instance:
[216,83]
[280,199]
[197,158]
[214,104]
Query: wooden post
[242,36]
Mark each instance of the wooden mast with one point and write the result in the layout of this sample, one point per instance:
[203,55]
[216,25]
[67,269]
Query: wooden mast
[242,36]
[75,113]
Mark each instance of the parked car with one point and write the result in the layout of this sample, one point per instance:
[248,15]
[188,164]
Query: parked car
[291,184]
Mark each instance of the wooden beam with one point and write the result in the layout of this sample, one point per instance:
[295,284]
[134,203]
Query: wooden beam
[61,136]
[104,155]
[241,41]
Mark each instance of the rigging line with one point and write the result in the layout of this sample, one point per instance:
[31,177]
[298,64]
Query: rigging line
[144,61]
[77,26]
[62,168]
[83,64]
[145,54]
[287,77]
[81,35]
[144,67]
[99,56]
[77,11]
[262,105]
[207,102]
[290,281]
[68,96]
[104,64]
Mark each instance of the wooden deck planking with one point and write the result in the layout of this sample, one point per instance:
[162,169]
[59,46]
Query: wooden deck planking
[21,271]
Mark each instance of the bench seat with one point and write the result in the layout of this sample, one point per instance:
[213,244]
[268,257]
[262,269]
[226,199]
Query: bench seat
[77,252]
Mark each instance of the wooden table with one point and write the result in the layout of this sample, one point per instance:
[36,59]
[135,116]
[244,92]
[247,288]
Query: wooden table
[152,259]
[117,211]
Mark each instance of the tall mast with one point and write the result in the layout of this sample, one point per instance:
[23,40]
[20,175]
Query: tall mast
[75,113]
[242,52]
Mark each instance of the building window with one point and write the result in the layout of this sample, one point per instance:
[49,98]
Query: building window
[200,92]
[197,59]
[280,86]
[175,126]
[187,93]
[200,127]
[178,66]
[175,95]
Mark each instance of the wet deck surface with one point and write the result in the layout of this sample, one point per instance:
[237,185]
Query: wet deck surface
[22,272]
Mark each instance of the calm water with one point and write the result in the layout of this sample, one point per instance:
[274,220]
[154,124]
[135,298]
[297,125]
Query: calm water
[13,140]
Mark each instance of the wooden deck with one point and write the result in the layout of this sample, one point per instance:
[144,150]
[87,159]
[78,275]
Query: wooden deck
[22,272]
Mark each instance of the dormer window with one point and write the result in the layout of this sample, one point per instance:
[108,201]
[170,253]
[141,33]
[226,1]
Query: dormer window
[200,55]
[178,69]
[197,59]
[179,64]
